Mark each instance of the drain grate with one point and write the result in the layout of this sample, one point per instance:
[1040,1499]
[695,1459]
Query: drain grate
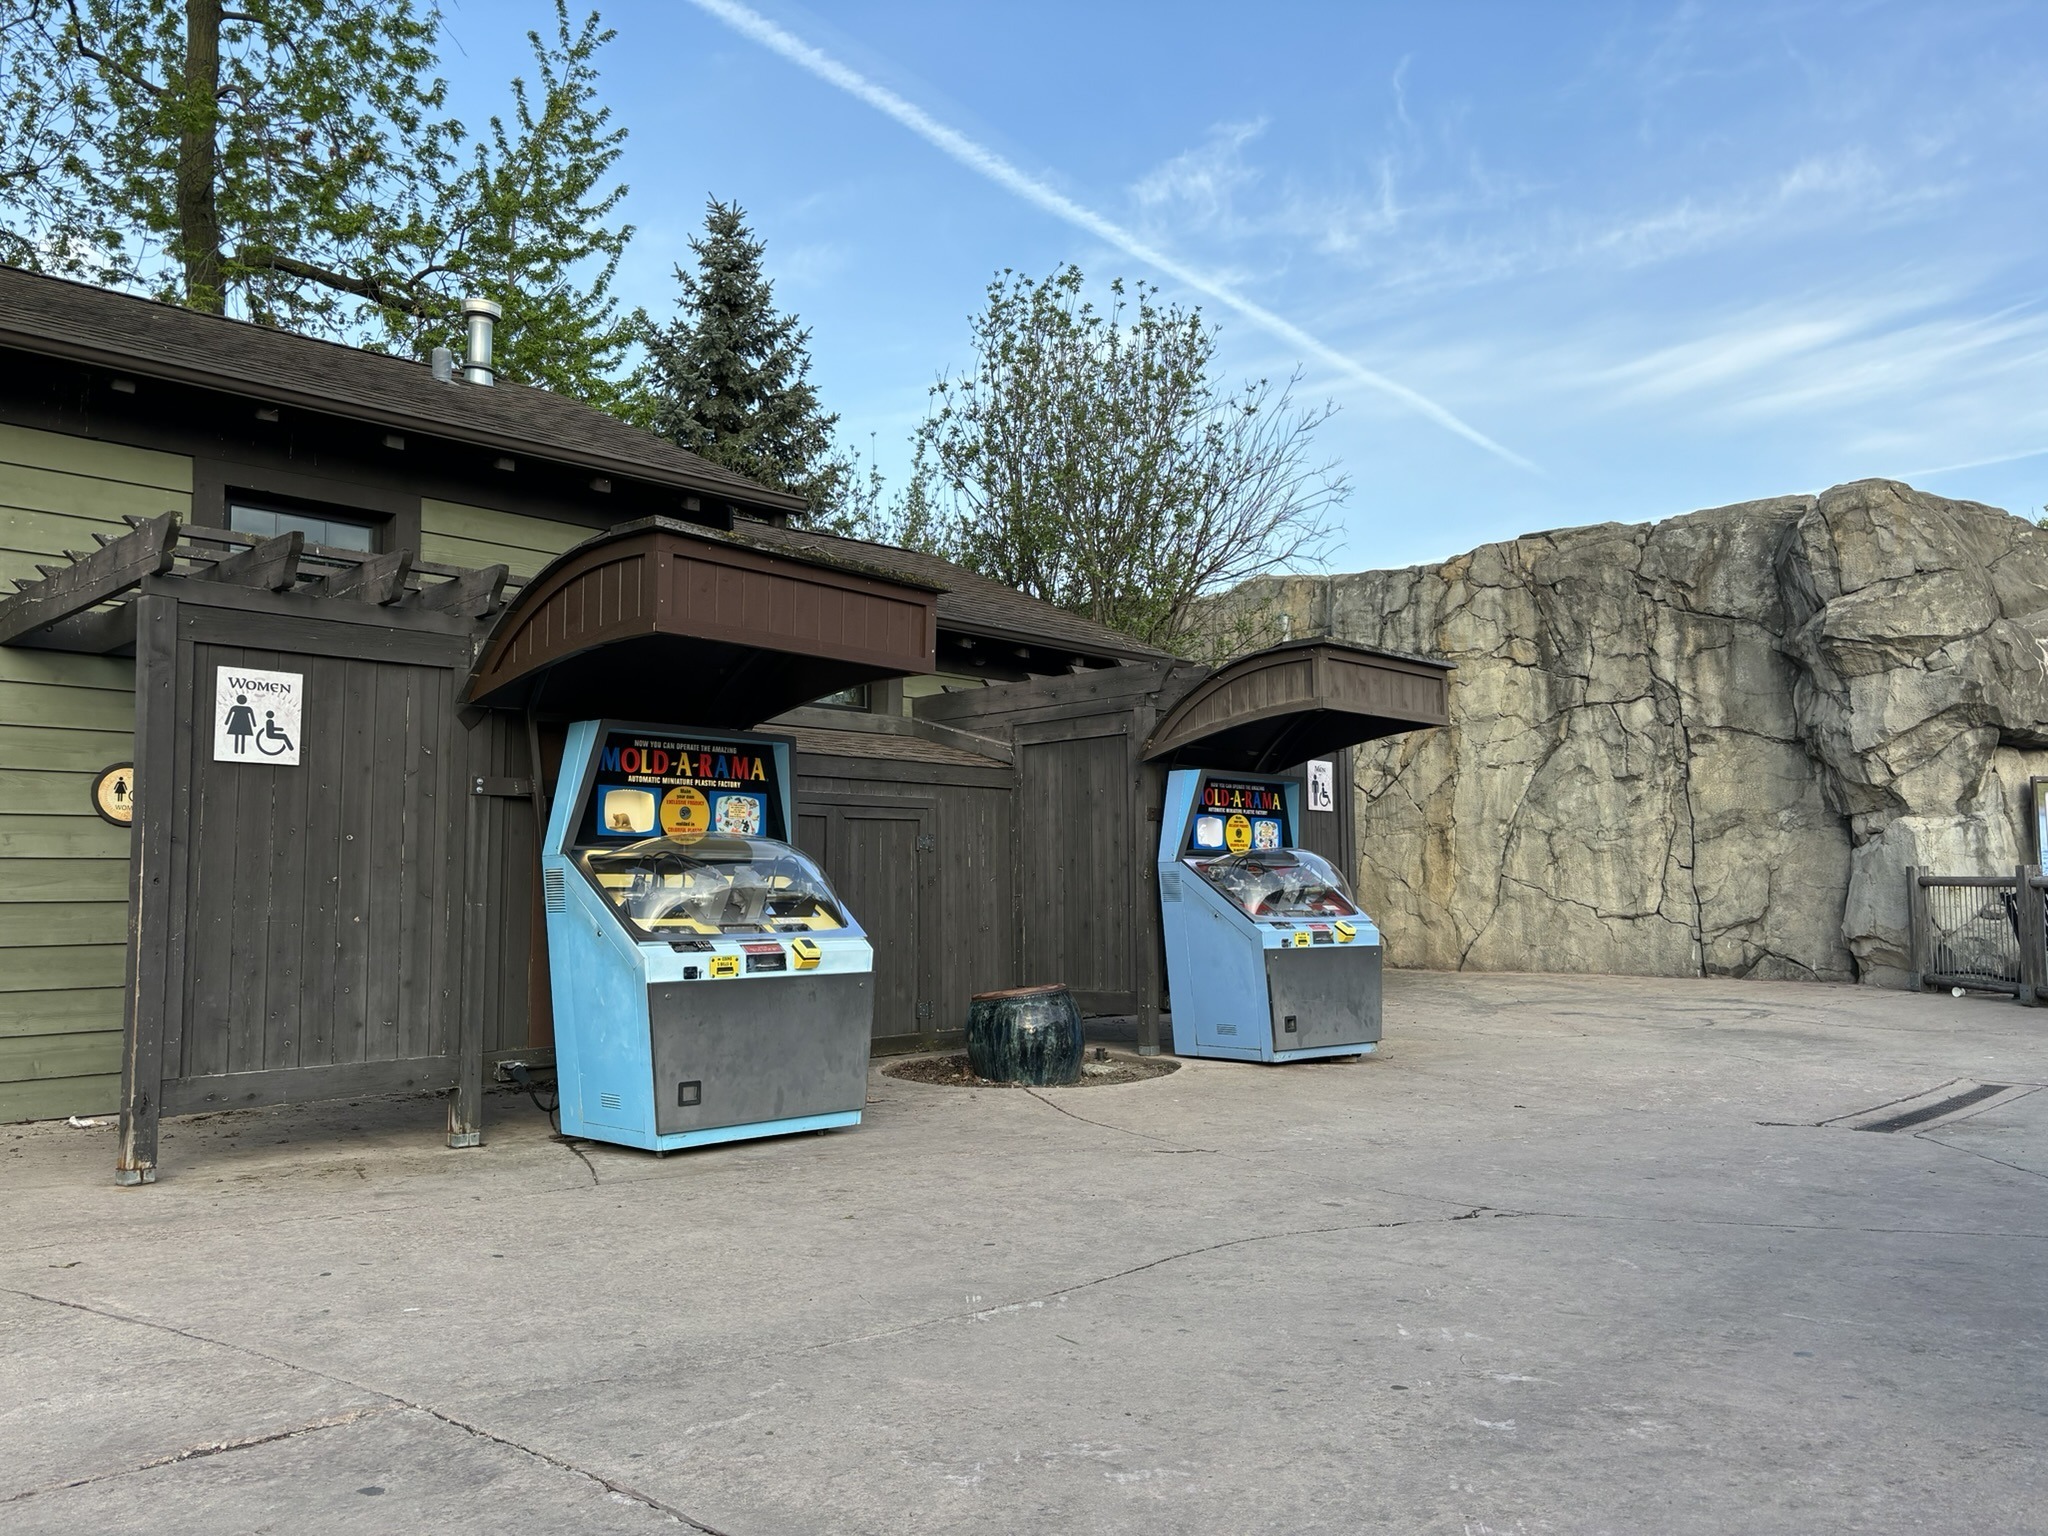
[1906,1120]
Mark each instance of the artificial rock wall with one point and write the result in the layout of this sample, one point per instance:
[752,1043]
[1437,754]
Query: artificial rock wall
[1711,745]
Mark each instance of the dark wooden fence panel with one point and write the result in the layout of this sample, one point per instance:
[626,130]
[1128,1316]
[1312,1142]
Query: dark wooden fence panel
[1114,964]
[811,829]
[1331,833]
[302,931]
[510,953]
[318,895]
[958,891]
[1074,810]
[882,852]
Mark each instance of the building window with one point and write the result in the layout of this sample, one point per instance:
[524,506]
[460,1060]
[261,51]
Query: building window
[318,527]
[855,697]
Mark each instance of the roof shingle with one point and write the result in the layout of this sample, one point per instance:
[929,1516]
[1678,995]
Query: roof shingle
[966,601]
[56,317]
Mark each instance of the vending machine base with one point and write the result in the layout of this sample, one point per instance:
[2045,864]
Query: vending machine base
[708,984]
[1267,956]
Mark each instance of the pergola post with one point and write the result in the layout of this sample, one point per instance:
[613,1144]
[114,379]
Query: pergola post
[149,887]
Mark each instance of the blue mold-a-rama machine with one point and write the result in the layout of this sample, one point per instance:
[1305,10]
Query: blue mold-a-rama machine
[708,985]
[1268,958]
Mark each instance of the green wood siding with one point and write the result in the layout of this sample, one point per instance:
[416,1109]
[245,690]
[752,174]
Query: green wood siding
[63,871]
[475,536]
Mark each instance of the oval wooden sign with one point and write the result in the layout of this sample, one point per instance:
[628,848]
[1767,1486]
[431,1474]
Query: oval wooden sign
[113,794]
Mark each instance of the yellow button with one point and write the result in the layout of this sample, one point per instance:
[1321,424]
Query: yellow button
[805,952]
[725,965]
[1345,933]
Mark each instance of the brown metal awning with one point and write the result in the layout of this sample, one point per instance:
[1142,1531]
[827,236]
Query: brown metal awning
[1268,711]
[665,620]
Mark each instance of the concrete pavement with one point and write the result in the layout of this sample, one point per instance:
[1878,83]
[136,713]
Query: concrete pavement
[1572,1254]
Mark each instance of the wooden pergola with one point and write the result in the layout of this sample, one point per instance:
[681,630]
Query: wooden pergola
[87,605]
[358,918]
[273,923]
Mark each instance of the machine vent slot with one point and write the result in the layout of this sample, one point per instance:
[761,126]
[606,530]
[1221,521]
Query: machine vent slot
[551,883]
[1169,885]
[610,1100]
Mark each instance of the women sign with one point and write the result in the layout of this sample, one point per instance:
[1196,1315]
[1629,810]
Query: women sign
[256,715]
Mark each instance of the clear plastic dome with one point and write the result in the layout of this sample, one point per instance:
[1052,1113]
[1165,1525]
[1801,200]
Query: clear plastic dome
[716,885]
[1280,882]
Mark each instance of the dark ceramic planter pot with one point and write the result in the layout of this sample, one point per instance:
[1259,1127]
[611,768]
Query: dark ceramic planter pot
[1025,1035]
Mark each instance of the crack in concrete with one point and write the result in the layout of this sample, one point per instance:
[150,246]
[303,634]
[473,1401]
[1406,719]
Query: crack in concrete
[1105,1125]
[393,1400]
[1754,1226]
[574,1146]
[1973,1152]
[199,1452]
[1033,1302]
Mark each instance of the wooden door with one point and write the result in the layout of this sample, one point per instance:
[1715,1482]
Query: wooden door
[877,858]
[1074,852]
[318,896]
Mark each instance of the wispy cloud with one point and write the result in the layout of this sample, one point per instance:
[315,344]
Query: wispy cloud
[817,262]
[1920,336]
[1739,348]
[1977,354]
[1409,234]
[1041,194]
[1199,187]
[1951,469]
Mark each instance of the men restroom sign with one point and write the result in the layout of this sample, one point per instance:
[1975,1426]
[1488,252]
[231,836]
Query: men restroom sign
[256,715]
[1322,785]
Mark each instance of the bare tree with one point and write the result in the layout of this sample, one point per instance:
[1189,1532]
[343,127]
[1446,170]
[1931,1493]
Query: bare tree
[1094,459]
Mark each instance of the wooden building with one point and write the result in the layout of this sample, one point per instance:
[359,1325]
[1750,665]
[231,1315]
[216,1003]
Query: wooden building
[456,570]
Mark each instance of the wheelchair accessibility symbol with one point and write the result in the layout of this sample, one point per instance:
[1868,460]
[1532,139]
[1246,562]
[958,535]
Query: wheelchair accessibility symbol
[256,716]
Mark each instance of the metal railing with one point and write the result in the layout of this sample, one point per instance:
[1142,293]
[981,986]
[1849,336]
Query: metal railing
[1987,933]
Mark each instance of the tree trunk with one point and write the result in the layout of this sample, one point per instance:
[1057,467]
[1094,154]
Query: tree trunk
[199,158]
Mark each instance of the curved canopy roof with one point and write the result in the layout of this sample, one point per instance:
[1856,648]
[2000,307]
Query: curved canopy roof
[968,603]
[1268,711]
[661,619]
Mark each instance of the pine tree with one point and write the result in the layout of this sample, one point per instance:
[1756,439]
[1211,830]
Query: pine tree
[729,378]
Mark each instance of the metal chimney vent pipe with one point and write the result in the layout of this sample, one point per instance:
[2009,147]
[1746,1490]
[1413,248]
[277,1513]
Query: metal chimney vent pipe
[480,315]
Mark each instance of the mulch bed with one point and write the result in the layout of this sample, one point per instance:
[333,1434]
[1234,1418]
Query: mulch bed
[954,1072]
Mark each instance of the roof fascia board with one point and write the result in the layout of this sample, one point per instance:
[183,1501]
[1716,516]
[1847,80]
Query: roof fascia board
[278,393]
[741,541]
[1041,641]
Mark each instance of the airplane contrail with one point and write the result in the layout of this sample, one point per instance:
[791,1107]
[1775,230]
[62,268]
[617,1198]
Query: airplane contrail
[987,163]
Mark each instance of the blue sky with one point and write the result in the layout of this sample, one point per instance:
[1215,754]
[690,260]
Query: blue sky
[1624,260]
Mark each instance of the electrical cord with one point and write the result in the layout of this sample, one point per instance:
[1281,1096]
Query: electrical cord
[516,1070]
